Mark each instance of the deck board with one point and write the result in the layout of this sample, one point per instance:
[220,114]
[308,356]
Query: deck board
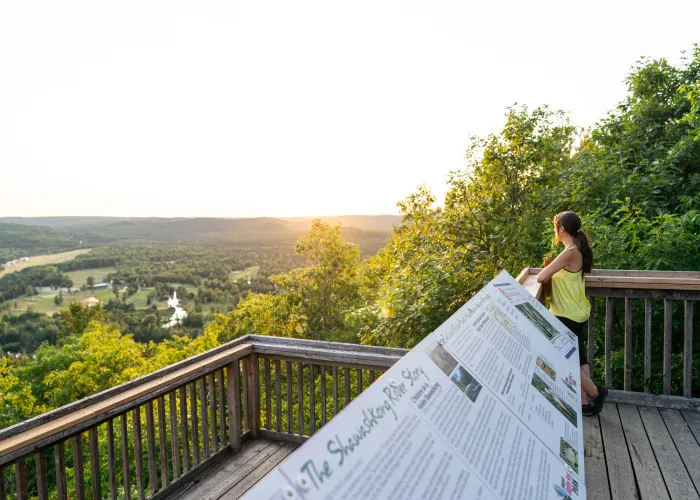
[239,472]
[646,468]
[692,418]
[617,456]
[686,444]
[678,482]
[596,470]
[249,481]
[223,477]
[630,453]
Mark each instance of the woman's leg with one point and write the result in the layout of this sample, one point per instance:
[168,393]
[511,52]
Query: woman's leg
[586,368]
[588,388]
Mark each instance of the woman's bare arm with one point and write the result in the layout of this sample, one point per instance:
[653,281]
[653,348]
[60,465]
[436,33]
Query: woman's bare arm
[562,260]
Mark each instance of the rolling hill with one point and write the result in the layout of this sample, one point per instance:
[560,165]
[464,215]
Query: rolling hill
[41,235]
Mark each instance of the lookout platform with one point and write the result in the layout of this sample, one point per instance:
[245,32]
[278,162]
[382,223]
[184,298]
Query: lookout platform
[631,452]
[213,425]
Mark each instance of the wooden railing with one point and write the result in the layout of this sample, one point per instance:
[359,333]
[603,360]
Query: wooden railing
[161,433]
[303,384]
[652,294]
[158,431]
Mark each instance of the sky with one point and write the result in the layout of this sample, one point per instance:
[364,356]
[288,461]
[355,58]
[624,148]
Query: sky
[291,108]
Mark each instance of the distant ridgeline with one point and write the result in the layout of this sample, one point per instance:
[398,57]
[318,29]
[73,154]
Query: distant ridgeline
[18,241]
[21,236]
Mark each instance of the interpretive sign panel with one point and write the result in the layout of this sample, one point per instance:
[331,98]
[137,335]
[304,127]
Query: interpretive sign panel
[487,406]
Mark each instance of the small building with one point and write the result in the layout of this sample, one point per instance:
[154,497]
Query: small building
[90,301]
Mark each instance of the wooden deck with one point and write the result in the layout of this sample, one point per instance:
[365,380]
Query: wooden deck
[233,476]
[631,452]
[640,452]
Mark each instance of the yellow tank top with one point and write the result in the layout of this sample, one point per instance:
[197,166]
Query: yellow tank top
[569,295]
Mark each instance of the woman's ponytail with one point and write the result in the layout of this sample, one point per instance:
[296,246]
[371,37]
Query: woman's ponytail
[572,225]
[584,245]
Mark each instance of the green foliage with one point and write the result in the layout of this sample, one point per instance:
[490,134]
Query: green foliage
[103,358]
[27,280]
[16,400]
[327,287]
[19,240]
[77,317]
[629,240]
[651,140]
[25,332]
[313,300]
[493,218]
[633,178]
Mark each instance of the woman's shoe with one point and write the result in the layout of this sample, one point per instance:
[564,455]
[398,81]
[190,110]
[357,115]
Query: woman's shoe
[587,410]
[599,400]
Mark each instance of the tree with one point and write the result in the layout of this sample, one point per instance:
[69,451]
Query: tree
[493,218]
[30,291]
[17,402]
[76,317]
[90,282]
[326,288]
[650,141]
[105,358]
[266,314]
[58,299]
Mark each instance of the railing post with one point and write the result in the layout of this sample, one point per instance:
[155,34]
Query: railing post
[61,482]
[78,473]
[174,446]
[668,325]
[234,404]
[21,479]
[608,340]
[628,345]
[647,344]
[95,478]
[126,475]
[138,453]
[184,430]
[268,396]
[252,374]
[111,464]
[278,395]
[42,478]
[688,352]
[591,337]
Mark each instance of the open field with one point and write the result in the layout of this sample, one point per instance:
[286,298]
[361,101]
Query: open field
[40,260]
[80,276]
[43,302]
[249,273]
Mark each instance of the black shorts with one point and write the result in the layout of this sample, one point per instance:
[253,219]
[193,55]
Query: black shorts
[578,329]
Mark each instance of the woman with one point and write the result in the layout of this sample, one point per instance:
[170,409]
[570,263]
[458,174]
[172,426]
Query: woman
[568,300]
